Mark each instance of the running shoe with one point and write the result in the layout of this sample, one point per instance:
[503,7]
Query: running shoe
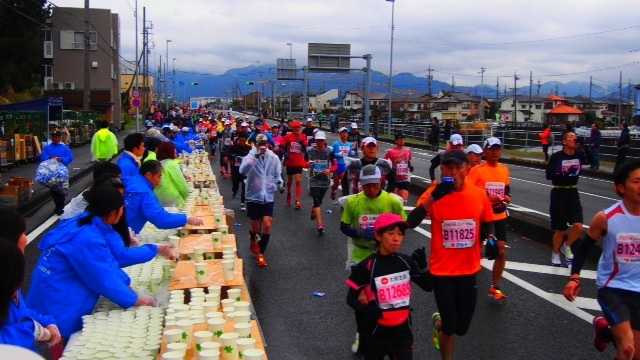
[333,195]
[298,205]
[320,229]
[356,344]
[497,294]
[288,198]
[255,246]
[242,208]
[599,325]
[555,259]
[262,262]
[435,337]
[566,250]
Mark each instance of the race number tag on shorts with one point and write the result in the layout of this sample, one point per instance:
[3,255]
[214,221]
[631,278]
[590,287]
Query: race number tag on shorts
[458,234]
[294,148]
[402,169]
[366,221]
[345,150]
[571,167]
[393,290]
[628,248]
[495,188]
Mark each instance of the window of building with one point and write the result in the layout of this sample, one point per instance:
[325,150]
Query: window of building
[347,103]
[465,105]
[538,106]
[75,40]
[523,106]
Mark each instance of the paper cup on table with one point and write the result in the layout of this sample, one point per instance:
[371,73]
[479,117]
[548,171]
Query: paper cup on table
[227,311]
[224,229]
[216,237]
[202,337]
[210,345]
[201,272]
[242,305]
[243,329]
[229,346]
[173,355]
[177,347]
[228,248]
[253,354]
[219,218]
[228,267]
[187,331]
[182,316]
[198,253]
[234,294]
[181,307]
[173,336]
[174,240]
[227,303]
[242,316]
[213,354]
[184,233]
[216,326]
[214,289]
[213,315]
[212,297]
[208,307]
[245,344]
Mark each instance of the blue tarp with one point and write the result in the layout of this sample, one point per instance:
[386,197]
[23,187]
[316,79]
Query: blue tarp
[50,105]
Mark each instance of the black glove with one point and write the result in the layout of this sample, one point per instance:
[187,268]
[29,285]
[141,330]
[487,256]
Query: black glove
[367,234]
[373,311]
[442,189]
[419,256]
[411,168]
[280,187]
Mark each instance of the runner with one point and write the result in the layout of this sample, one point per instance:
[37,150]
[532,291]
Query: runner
[618,274]
[563,170]
[460,217]
[341,149]
[455,143]
[493,178]
[226,140]
[400,177]
[360,213]
[369,156]
[238,151]
[321,163]
[474,155]
[308,130]
[295,146]
[262,169]
[434,135]
[355,137]
[385,278]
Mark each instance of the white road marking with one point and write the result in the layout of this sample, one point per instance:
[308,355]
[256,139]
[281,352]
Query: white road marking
[548,269]
[40,229]
[549,185]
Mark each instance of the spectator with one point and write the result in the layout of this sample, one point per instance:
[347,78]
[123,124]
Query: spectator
[623,144]
[64,155]
[594,144]
[104,143]
[172,190]
[545,135]
[129,162]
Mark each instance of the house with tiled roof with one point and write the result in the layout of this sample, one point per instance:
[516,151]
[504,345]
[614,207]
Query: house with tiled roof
[454,106]
[597,106]
[560,112]
[523,109]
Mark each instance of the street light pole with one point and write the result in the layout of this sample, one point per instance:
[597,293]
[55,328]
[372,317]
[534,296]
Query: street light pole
[166,84]
[393,4]
[290,50]
[173,84]
[482,69]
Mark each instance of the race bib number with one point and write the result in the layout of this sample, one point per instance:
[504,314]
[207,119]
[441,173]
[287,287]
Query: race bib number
[295,148]
[628,248]
[366,221]
[571,167]
[320,165]
[226,141]
[393,290]
[238,161]
[402,170]
[495,188]
[345,150]
[458,234]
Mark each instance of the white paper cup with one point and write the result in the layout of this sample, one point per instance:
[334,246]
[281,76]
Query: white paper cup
[226,312]
[228,248]
[228,341]
[198,253]
[174,240]
[234,294]
[228,267]
[243,329]
[181,307]
[242,316]
[185,315]
[245,344]
[208,307]
[173,336]
[216,237]
[219,218]
[213,315]
[253,354]
[242,305]
[178,347]
[227,303]
[202,337]
[173,355]
[214,289]
[216,326]
[201,272]
[224,229]
[187,331]
[210,345]
[209,355]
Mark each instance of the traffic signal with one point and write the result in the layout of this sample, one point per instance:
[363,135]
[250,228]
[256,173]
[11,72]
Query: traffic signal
[249,82]
[194,83]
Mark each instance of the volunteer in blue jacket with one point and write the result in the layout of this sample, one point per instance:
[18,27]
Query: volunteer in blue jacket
[19,326]
[76,266]
[129,162]
[142,204]
[62,153]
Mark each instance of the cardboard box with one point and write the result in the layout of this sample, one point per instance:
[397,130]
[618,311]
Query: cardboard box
[25,185]
[9,196]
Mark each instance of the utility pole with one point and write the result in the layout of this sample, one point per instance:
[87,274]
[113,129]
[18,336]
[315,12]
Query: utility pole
[453,84]
[482,69]
[515,96]
[626,106]
[137,72]
[87,62]
[173,87]
[497,87]
[145,64]
[159,96]
[429,79]
[539,86]
[590,88]
[620,100]
[530,91]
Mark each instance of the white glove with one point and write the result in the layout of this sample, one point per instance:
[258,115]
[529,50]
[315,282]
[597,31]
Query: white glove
[168,251]
[194,221]
[145,298]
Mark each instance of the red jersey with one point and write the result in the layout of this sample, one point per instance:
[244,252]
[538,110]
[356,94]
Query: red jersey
[293,145]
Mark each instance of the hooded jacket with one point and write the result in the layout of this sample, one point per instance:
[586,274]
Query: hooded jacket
[129,167]
[75,268]
[143,205]
[172,190]
[18,329]
[104,144]
[58,150]
[263,174]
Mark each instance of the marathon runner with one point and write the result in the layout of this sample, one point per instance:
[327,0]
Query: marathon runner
[226,140]
[400,177]
[455,143]
[355,137]
[295,147]
[474,155]
[321,163]
[238,151]
[369,157]
[341,149]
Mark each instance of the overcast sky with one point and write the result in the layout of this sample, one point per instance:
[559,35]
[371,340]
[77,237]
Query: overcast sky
[560,40]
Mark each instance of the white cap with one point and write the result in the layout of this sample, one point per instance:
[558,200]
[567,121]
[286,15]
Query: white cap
[244,124]
[185,129]
[354,125]
[227,122]
[456,139]
[473,148]
[343,129]
[320,135]
[316,130]
[369,140]
[492,141]
[309,120]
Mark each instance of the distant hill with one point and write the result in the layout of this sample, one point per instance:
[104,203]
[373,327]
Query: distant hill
[234,81]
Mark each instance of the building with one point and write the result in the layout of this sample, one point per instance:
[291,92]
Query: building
[455,106]
[529,109]
[559,112]
[322,101]
[127,84]
[64,50]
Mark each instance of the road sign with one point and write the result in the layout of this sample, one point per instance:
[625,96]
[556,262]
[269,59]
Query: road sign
[136,102]
[135,93]
[181,83]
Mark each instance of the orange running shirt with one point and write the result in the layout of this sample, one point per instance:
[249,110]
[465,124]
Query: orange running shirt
[294,149]
[455,231]
[491,179]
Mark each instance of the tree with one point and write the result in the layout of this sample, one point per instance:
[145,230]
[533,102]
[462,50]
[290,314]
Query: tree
[21,43]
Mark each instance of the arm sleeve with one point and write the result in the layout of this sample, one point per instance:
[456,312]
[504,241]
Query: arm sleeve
[550,171]
[114,140]
[44,155]
[422,279]
[20,334]
[44,320]
[67,156]
[153,212]
[355,287]
[137,255]
[580,251]
[348,230]
[416,216]
[93,263]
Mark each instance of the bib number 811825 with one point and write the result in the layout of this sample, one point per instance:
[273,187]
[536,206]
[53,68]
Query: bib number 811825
[458,234]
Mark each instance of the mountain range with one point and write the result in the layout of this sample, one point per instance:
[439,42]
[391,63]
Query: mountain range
[234,82]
